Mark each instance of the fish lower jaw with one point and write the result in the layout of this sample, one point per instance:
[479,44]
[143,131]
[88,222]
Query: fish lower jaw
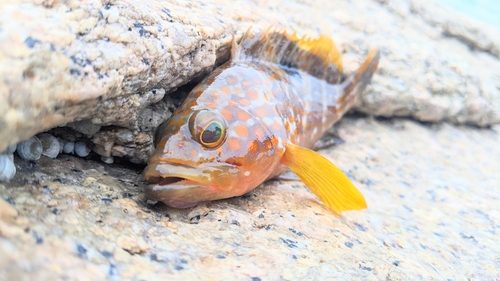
[185,193]
[177,192]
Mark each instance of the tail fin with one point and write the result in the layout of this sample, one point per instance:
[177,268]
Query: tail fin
[355,83]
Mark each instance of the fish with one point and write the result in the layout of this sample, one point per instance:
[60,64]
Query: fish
[256,116]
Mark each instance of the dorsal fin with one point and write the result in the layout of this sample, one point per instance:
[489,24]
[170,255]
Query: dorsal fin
[319,57]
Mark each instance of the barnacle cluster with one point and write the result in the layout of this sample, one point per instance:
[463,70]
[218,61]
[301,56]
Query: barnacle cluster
[33,148]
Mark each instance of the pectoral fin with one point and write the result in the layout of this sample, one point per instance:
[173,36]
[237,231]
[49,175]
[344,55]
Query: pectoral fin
[324,179]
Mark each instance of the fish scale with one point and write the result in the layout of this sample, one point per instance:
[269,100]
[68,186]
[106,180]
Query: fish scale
[255,116]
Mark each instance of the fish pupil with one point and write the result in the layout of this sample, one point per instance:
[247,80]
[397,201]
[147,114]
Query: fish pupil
[212,133]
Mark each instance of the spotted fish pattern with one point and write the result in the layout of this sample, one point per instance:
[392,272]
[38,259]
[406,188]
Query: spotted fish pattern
[255,116]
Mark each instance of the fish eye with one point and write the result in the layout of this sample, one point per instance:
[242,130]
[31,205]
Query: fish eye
[212,134]
[208,128]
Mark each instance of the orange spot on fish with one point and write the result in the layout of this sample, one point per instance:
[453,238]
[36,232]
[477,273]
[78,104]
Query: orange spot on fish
[246,83]
[244,102]
[211,79]
[234,144]
[225,90]
[211,104]
[274,140]
[194,152]
[276,125]
[241,130]
[253,94]
[243,116]
[268,144]
[232,103]
[287,127]
[192,103]
[215,94]
[256,81]
[237,91]
[261,112]
[232,80]
[228,115]
[179,122]
[275,76]
[180,144]
[259,133]
[253,146]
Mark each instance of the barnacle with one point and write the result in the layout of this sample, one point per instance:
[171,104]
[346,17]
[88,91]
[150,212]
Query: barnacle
[7,168]
[51,146]
[108,160]
[69,147]
[30,149]
[81,149]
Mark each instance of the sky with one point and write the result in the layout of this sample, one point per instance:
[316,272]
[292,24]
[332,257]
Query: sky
[484,10]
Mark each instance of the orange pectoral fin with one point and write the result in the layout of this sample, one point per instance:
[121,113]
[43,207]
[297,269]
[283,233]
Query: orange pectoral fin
[324,179]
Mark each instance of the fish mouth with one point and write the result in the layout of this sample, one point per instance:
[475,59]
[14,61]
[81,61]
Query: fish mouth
[181,186]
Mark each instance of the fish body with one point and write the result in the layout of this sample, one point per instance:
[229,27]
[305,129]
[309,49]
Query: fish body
[253,118]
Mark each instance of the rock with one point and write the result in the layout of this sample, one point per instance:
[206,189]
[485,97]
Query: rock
[162,46]
[132,244]
[424,197]
[85,127]
[6,210]
[126,52]
[9,230]
[431,188]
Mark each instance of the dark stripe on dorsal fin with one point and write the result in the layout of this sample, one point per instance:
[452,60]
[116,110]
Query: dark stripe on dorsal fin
[319,57]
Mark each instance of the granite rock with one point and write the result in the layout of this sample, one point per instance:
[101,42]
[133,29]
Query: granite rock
[107,73]
[432,216]
[114,64]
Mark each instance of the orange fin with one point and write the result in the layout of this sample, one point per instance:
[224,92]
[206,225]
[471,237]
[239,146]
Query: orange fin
[319,57]
[324,179]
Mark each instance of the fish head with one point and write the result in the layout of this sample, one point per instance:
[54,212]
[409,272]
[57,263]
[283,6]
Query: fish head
[205,154]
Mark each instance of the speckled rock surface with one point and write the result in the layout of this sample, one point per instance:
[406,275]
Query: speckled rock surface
[106,63]
[432,190]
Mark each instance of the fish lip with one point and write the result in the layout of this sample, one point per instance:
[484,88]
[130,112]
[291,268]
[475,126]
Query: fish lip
[156,173]
[190,186]
[202,174]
